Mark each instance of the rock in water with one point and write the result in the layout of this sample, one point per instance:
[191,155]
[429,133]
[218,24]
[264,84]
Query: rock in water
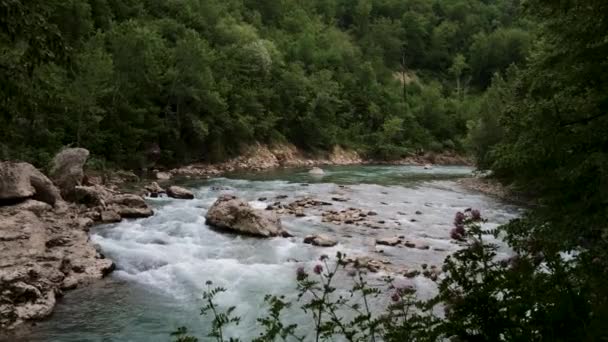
[428,166]
[394,241]
[67,170]
[179,192]
[320,240]
[154,189]
[316,171]
[229,212]
[129,206]
[19,181]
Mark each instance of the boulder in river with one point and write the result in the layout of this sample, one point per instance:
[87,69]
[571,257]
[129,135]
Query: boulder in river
[232,213]
[129,205]
[154,190]
[394,241]
[179,192]
[67,170]
[320,240]
[316,171]
[19,181]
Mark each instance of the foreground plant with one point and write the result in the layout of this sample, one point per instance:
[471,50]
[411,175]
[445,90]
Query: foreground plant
[481,298]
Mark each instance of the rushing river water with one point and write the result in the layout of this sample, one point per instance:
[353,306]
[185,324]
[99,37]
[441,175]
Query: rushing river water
[164,261]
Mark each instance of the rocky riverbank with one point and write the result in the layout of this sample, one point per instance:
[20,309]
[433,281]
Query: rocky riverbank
[262,157]
[44,245]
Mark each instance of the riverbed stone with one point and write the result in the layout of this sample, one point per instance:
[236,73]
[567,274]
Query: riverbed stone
[388,241]
[320,240]
[231,213]
[316,171]
[178,192]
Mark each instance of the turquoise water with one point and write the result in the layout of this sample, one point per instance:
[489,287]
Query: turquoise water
[164,261]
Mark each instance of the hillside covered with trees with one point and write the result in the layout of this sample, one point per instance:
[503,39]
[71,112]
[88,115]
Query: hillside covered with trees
[197,79]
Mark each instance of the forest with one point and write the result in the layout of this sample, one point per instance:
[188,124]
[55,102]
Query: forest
[196,80]
[521,86]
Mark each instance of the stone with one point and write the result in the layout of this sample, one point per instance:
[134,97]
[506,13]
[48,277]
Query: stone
[409,244]
[262,199]
[411,273]
[19,181]
[129,206]
[320,240]
[339,199]
[316,171]
[95,195]
[372,213]
[163,176]
[231,213]
[299,213]
[38,261]
[34,206]
[110,216]
[179,192]
[154,189]
[67,170]
[418,212]
[394,241]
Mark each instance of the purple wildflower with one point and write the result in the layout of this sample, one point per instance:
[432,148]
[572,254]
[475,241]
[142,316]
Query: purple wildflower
[323,257]
[459,218]
[456,234]
[476,215]
[396,297]
[318,269]
[301,274]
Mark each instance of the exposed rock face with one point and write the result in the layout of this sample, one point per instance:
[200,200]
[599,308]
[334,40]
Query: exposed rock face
[19,181]
[67,170]
[40,256]
[229,212]
[179,192]
[320,240]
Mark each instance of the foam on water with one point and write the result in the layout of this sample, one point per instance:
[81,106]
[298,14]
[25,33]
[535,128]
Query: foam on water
[171,255]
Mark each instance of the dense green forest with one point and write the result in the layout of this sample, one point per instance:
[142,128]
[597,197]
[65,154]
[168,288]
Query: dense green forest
[197,79]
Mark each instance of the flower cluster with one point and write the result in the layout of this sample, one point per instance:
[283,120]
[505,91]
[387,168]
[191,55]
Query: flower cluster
[461,219]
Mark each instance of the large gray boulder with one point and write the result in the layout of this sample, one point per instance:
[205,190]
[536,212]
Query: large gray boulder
[231,213]
[19,181]
[67,170]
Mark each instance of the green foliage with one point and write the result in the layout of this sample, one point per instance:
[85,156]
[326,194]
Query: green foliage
[199,79]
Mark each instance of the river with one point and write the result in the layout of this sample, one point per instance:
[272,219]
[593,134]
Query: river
[164,261]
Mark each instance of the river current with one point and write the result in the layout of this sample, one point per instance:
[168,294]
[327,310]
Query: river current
[164,261]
